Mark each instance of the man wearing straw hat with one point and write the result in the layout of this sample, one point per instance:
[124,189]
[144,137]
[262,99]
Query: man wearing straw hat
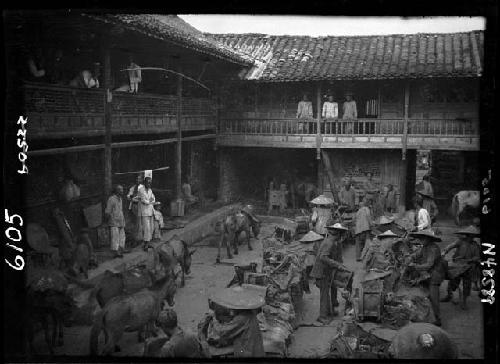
[429,260]
[466,252]
[362,228]
[314,239]
[322,213]
[374,256]
[328,262]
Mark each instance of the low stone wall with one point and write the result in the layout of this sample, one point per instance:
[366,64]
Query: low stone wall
[193,232]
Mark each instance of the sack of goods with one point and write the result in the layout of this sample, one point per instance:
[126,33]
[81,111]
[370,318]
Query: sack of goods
[352,342]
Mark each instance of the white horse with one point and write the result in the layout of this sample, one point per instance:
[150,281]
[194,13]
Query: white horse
[464,200]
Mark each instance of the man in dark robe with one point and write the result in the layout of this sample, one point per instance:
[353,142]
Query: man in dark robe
[328,262]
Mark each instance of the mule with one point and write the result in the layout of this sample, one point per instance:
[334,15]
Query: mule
[128,313]
[43,307]
[173,252]
[462,201]
[115,284]
[233,226]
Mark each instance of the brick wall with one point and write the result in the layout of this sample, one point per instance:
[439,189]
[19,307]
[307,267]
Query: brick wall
[229,181]
[203,169]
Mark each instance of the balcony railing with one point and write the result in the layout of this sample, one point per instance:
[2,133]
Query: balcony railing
[380,127]
[447,134]
[61,111]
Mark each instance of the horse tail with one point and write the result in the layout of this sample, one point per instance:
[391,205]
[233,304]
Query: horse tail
[97,327]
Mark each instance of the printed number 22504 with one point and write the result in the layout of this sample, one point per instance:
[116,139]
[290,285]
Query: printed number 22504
[21,143]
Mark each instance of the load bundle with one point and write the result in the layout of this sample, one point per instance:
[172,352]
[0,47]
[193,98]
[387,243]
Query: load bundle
[285,266]
[353,342]
[406,307]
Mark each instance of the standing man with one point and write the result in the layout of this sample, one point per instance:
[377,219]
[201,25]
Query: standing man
[133,207]
[322,213]
[390,200]
[328,261]
[312,252]
[330,110]
[467,253]
[423,221]
[116,221]
[347,196]
[350,112]
[429,260]
[362,228]
[304,111]
[370,189]
[146,212]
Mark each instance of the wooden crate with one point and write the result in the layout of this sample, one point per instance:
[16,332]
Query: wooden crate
[371,299]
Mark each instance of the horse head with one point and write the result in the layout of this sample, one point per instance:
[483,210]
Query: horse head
[187,258]
[169,287]
[256,229]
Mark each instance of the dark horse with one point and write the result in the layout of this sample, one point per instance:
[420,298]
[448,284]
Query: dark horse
[173,252]
[128,313]
[232,227]
[43,307]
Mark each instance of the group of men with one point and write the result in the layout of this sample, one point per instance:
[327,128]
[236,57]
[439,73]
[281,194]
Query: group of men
[144,211]
[330,109]
[427,260]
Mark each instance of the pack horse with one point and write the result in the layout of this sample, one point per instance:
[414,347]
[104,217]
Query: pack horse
[233,226]
[462,201]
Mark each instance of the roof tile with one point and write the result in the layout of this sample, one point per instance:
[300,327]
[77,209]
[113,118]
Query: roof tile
[301,58]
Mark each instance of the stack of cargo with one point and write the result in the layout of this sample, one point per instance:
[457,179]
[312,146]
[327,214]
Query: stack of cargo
[280,284]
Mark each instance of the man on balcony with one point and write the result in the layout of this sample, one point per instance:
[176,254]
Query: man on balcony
[330,111]
[304,111]
[350,112]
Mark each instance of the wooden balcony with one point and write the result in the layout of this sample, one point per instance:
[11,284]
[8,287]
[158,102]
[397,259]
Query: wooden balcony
[448,134]
[62,112]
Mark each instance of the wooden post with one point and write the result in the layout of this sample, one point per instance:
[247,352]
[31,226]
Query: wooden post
[178,166]
[404,162]
[328,166]
[406,117]
[108,177]
[318,122]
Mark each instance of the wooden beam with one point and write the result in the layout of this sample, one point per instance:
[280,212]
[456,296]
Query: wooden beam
[138,143]
[178,165]
[108,174]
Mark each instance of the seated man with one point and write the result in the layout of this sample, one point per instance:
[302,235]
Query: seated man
[157,221]
[188,196]
[239,328]
[177,343]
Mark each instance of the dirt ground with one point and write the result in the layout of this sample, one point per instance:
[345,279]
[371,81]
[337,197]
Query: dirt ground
[191,304]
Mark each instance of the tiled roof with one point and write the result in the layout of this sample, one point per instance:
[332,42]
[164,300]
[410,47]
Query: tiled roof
[301,58]
[174,29]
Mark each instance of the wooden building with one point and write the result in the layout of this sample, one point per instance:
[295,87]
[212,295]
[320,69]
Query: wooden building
[95,135]
[413,92]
